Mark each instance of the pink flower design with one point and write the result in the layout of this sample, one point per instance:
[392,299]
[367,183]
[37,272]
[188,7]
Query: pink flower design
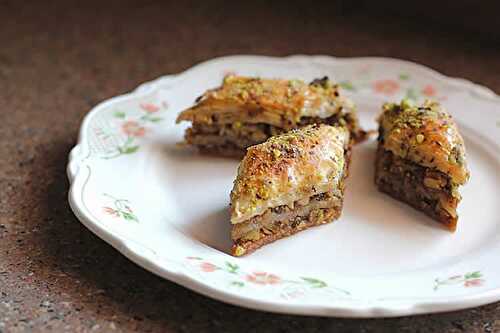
[474,283]
[132,128]
[208,267]
[263,278]
[364,69]
[429,91]
[111,211]
[149,107]
[386,87]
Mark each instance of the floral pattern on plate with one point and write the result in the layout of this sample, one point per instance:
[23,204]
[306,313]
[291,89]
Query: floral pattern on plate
[122,139]
[120,208]
[289,288]
[121,133]
[471,279]
[399,86]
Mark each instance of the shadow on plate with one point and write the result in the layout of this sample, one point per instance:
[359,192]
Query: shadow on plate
[214,230]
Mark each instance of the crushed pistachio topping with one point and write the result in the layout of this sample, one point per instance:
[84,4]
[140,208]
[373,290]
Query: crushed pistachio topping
[239,251]
[406,114]
[282,104]
[425,134]
[290,164]
[293,98]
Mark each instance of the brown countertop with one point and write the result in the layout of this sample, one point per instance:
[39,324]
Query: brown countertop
[57,61]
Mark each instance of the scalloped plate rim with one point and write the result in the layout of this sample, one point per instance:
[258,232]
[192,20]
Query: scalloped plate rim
[386,308]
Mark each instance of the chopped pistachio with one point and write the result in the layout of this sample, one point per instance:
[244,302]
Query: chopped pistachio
[391,107]
[239,251]
[406,104]
[263,193]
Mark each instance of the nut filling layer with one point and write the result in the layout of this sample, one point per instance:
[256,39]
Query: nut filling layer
[302,212]
[423,188]
[421,159]
[233,139]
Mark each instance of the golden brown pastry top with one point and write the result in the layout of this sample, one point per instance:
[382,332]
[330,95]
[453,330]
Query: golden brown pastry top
[287,168]
[426,135]
[277,102]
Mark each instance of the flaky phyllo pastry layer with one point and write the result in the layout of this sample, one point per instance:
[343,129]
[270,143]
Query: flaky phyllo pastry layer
[287,184]
[421,158]
[245,111]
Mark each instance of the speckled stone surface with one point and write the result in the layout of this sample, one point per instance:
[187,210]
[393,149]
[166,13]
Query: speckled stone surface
[57,61]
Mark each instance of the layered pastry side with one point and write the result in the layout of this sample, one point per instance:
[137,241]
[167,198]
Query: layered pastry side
[421,159]
[289,183]
[245,111]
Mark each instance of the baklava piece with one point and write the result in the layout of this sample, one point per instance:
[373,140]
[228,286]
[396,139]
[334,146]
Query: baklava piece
[421,159]
[289,183]
[246,111]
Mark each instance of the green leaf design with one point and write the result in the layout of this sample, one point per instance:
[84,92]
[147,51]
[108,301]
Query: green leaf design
[129,150]
[315,283]
[232,268]
[129,216]
[237,284]
[473,275]
[411,94]
[119,114]
[347,85]
[155,119]
[404,76]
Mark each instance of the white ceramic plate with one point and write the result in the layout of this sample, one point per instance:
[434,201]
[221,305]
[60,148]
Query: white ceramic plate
[165,208]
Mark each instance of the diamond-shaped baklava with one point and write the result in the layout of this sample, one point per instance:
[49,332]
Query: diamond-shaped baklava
[421,159]
[245,111]
[289,183]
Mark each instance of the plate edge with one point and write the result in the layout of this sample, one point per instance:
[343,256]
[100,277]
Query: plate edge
[80,152]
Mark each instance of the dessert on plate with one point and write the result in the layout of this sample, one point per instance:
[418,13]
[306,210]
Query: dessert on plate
[245,111]
[421,159]
[289,183]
